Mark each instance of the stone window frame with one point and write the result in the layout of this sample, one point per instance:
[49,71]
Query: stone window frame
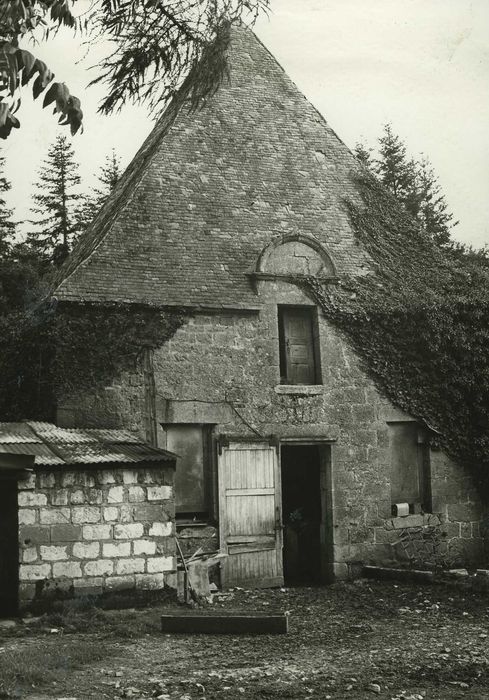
[286,386]
[422,504]
[208,449]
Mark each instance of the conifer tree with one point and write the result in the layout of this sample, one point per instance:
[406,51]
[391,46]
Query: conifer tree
[7,226]
[413,182]
[363,154]
[108,177]
[55,203]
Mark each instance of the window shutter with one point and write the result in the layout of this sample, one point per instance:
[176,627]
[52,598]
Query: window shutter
[299,346]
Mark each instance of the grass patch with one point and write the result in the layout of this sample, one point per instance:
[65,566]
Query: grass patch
[44,663]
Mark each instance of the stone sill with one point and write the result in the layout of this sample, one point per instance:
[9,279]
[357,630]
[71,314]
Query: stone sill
[299,389]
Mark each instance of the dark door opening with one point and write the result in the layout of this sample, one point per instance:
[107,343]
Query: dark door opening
[302,513]
[9,548]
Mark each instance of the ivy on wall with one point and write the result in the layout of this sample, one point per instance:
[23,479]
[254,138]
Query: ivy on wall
[420,324]
[48,352]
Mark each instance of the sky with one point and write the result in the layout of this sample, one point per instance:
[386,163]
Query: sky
[421,65]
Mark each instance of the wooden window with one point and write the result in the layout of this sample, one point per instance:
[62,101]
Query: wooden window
[410,473]
[298,341]
[191,444]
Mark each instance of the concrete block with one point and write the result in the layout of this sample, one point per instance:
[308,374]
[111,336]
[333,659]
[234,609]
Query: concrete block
[116,549]
[144,547]
[110,514]
[115,494]
[105,477]
[94,496]
[119,583]
[77,497]
[29,555]
[89,585]
[86,550]
[47,480]
[53,552]
[148,512]
[65,533]
[32,499]
[159,564]
[97,532]
[27,516]
[150,581]
[34,572]
[86,515]
[28,483]
[161,529]
[136,494]
[159,493]
[67,569]
[54,516]
[129,531]
[99,567]
[68,478]
[59,497]
[34,535]
[129,476]
[129,566]
[407,521]
[126,513]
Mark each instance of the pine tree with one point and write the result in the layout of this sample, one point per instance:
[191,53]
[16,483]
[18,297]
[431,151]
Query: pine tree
[363,154]
[108,178]
[110,174]
[55,203]
[433,213]
[393,168]
[7,226]
[413,182]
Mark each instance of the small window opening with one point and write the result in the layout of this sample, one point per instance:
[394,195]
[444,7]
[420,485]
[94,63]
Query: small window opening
[298,345]
[193,488]
[410,468]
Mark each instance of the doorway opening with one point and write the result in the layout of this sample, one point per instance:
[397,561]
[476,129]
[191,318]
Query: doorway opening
[305,513]
[9,549]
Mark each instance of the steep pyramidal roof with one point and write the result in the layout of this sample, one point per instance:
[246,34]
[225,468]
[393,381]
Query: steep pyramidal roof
[210,188]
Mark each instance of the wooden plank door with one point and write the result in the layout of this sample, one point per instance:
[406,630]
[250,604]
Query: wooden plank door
[299,346]
[250,517]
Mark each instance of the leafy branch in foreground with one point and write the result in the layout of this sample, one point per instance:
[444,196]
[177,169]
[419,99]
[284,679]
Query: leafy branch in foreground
[18,67]
[155,46]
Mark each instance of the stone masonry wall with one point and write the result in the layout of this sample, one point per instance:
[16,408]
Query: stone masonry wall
[92,531]
[220,366]
[230,359]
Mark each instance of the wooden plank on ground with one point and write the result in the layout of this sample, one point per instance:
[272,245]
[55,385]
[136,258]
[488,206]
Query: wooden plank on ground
[220,622]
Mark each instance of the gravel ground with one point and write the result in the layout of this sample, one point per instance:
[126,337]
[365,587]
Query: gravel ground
[357,640]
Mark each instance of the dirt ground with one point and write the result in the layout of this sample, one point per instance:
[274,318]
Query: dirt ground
[354,640]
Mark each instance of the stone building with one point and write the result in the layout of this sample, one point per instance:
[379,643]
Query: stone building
[82,512]
[289,459]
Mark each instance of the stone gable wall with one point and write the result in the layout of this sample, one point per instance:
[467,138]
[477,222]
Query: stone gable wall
[223,369]
[89,532]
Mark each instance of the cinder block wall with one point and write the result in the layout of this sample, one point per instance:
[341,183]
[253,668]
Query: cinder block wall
[92,531]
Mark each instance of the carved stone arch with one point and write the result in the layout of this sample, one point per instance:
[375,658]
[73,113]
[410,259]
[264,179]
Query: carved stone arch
[295,255]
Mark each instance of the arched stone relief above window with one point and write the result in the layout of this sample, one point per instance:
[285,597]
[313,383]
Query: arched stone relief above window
[294,256]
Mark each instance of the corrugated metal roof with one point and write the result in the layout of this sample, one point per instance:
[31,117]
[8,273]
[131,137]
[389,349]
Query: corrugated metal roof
[53,446]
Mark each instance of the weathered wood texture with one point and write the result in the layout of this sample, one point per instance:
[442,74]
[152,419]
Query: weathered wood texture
[225,623]
[250,510]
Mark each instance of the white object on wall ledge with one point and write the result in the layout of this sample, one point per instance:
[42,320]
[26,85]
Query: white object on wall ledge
[401,509]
